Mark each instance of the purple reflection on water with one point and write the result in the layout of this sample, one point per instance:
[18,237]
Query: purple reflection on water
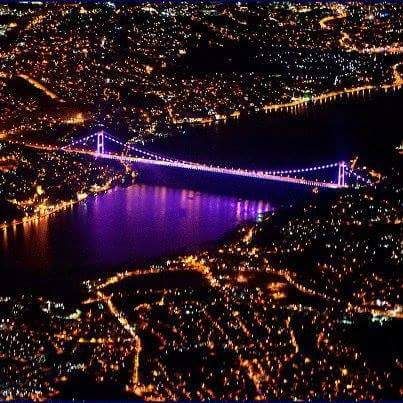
[125,226]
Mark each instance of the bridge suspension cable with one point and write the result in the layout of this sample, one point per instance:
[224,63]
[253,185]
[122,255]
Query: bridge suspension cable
[152,158]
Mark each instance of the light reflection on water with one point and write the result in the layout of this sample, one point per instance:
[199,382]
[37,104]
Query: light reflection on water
[124,226]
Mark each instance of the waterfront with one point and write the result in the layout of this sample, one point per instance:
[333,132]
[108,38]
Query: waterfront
[161,216]
[120,227]
[366,126]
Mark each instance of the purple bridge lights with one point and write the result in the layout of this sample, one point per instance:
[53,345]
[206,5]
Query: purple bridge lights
[341,174]
[100,143]
[144,157]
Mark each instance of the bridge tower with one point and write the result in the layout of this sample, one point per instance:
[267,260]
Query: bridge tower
[100,142]
[341,176]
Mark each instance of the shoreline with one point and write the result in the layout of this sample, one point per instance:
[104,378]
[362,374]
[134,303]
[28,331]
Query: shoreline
[295,104]
[50,277]
[356,91]
[59,207]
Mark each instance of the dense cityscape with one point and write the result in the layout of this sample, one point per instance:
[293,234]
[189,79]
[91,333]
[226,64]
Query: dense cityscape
[144,71]
[301,302]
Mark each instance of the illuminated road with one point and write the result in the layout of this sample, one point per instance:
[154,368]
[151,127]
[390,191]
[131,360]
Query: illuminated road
[346,41]
[295,104]
[341,13]
[131,329]
[264,175]
[40,87]
[334,95]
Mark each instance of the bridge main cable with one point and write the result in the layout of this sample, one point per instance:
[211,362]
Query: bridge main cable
[275,172]
[155,159]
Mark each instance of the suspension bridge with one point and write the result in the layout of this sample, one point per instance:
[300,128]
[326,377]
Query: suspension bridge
[132,154]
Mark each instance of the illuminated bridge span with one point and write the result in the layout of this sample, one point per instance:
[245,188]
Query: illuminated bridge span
[289,175]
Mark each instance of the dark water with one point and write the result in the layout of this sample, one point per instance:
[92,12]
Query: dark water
[160,216]
[367,126]
[119,228]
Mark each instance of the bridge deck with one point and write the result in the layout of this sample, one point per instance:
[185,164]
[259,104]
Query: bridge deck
[187,165]
[212,169]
